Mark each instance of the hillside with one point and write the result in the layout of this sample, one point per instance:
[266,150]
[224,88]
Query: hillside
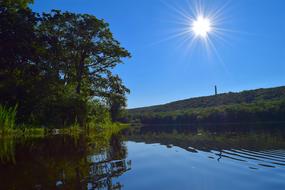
[251,105]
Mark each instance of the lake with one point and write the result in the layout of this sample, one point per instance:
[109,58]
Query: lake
[150,157]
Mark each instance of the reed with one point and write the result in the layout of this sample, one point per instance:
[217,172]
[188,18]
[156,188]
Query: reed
[7,117]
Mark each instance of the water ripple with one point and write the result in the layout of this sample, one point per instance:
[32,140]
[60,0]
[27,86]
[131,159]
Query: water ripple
[268,159]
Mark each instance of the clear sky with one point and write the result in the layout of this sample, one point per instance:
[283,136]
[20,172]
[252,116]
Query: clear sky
[248,54]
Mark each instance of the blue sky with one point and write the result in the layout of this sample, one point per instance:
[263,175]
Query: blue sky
[249,54]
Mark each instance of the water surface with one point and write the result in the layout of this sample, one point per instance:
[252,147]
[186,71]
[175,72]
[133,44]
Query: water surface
[152,157]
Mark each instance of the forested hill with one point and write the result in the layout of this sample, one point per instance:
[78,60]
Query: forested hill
[250,105]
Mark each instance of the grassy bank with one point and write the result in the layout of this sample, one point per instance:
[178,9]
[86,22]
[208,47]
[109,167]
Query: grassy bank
[8,127]
[100,131]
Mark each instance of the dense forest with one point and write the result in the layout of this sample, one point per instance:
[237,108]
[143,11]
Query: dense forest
[56,68]
[247,106]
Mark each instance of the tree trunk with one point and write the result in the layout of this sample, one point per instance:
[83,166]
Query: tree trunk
[79,74]
[79,79]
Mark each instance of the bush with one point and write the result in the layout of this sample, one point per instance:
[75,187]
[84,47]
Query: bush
[97,114]
[63,112]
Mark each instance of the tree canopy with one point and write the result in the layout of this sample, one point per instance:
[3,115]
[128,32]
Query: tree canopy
[53,65]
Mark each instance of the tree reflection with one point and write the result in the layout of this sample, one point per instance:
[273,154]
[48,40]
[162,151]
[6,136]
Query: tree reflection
[215,137]
[107,166]
[102,173]
[60,162]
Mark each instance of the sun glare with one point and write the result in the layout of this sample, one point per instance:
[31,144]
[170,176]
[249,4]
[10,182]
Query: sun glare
[201,26]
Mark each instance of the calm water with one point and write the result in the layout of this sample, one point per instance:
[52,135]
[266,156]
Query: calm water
[154,157]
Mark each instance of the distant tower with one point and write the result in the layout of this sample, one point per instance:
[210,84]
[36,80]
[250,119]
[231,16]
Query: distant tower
[216,90]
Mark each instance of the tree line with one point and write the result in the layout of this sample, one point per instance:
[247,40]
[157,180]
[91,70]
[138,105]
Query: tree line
[56,67]
[260,112]
[249,106]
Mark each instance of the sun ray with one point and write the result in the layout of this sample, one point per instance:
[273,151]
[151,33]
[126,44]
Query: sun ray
[181,33]
[199,25]
[181,12]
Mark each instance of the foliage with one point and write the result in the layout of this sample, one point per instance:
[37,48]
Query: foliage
[54,65]
[98,114]
[248,106]
[15,4]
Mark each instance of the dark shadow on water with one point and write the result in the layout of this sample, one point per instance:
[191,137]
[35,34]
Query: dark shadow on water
[61,162]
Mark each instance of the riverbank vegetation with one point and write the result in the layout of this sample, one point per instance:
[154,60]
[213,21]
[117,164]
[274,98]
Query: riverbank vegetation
[56,69]
[261,105]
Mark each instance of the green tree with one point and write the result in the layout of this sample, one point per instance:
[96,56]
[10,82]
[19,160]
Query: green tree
[54,65]
[15,4]
[115,96]
[21,82]
[90,49]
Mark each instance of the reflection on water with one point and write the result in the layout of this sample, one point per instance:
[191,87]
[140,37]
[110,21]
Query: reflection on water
[150,157]
[7,150]
[61,162]
[207,157]
[258,146]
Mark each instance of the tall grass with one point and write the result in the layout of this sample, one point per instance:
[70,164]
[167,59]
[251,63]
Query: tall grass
[7,117]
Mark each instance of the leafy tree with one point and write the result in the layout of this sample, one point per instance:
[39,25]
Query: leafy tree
[88,44]
[15,4]
[81,53]
[21,82]
[54,65]
[114,96]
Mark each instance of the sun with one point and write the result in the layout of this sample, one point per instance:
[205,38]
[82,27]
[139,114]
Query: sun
[201,26]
